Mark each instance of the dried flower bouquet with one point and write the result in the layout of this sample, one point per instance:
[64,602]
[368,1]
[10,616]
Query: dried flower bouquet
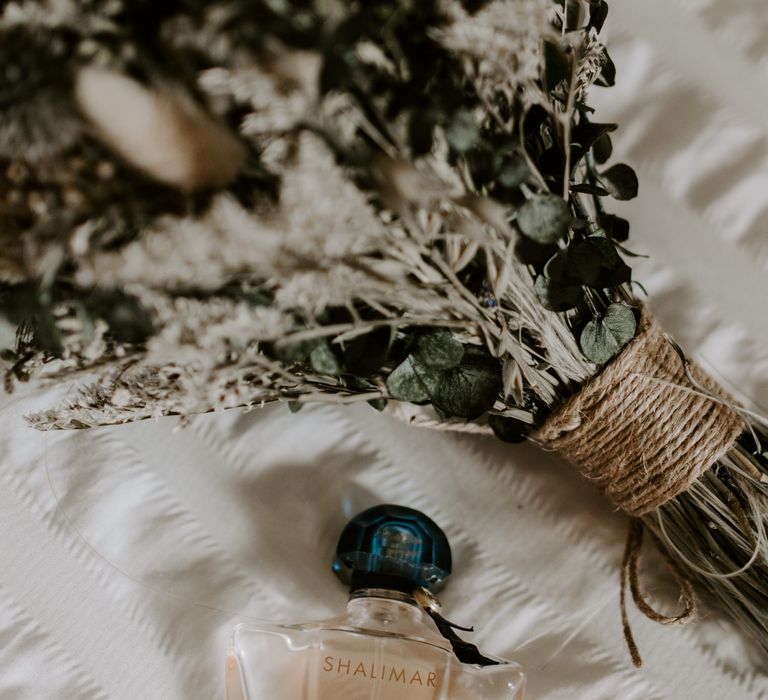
[209,205]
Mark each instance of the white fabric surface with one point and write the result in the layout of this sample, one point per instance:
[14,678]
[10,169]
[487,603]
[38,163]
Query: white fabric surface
[240,511]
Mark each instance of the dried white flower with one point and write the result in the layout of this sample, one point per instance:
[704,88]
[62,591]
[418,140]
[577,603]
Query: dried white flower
[501,44]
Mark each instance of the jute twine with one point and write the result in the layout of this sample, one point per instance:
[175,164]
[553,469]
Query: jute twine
[641,429]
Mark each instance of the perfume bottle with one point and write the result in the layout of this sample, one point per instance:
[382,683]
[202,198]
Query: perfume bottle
[391,643]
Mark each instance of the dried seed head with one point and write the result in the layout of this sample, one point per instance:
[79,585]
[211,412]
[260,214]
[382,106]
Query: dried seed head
[159,131]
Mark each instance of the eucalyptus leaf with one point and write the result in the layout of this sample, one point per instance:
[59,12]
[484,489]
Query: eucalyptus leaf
[603,338]
[470,389]
[620,180]
[593,262]
[598,11]
[584,260]
[609,258]
[558,271]
[462,132]
[529,252]
[438,349]
[323,359]
[620,273]
[512,170]
[585,136]
[405,384]
[552,163]
[613,270]
[544,218]
[602,149]
[616,227]
[366,353]
[558,297]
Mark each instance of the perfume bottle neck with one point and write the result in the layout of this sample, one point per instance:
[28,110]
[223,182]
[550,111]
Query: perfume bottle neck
[387,611]
[385,585]
[387,602]
[384,594]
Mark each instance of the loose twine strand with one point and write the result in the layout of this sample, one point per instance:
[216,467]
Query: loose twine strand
[630,578]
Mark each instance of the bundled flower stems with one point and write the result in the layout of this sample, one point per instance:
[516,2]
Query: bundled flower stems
[209,205]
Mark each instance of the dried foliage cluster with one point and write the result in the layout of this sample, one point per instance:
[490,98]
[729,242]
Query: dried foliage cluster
[217,204]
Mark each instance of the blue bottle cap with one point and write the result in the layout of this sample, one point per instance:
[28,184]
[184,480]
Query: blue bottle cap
[394,541]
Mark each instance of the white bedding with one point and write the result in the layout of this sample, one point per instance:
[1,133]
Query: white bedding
[240,511]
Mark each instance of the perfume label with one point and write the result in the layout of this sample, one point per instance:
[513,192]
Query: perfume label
[390,674]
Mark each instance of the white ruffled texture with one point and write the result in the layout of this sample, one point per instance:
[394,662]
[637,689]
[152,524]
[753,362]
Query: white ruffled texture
[240,511]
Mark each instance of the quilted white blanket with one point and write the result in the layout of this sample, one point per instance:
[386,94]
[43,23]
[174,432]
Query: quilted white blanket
[117,590]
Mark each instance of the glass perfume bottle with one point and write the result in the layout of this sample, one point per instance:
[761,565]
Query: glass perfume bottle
[391,643]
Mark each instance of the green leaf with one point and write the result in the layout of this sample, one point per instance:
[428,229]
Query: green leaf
[621,273]
[598,11]
[512,170]
[295,406]
[585,136]
[366,353]
[603,338]
[378,404]
[462,132]
[405,383]
[529,252]
[558,271]
[602,149]
[323,359]
[616,227]
[558,297]
[585,260]
[592,261]
[613,270]
[620,180]
[470,389]
[438,349]
[544,218]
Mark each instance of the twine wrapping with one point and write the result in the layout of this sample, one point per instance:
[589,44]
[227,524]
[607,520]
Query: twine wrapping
[641,429]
